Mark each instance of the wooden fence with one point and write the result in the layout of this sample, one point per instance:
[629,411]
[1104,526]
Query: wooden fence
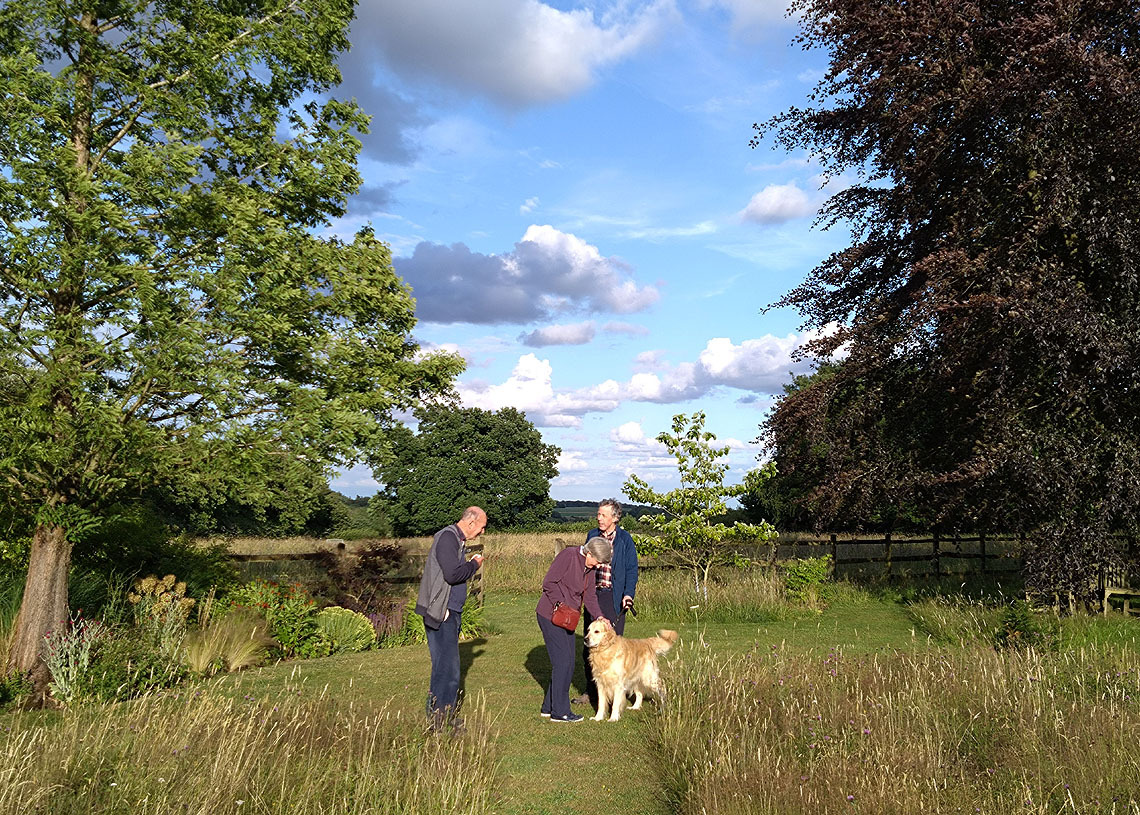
[270,566]
[888,555]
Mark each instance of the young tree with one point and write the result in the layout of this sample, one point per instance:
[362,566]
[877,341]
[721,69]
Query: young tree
[685,530]
[464,456]
[987,306]
[169,313]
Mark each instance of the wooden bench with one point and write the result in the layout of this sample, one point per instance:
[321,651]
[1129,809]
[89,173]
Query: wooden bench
[1119,580]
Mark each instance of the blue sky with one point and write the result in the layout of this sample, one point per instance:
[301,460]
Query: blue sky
[569,190]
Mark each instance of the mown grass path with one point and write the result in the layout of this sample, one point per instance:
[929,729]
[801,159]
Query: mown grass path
[546,767]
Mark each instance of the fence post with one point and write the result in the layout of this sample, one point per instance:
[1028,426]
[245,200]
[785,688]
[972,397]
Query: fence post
[888,541]
[982,548]
[937,556]
[834,556]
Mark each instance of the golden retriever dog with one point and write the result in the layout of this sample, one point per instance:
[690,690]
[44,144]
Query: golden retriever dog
[624,666]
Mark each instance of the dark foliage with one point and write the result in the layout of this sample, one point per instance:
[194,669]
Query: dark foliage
[136,541]
[361,581]
[986,308]
[466,456]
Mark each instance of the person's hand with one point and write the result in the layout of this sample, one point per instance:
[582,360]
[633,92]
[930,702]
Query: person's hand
[478,559]
[626,603]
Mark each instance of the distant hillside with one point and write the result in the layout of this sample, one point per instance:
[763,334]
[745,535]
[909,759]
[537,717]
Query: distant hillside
[569,511]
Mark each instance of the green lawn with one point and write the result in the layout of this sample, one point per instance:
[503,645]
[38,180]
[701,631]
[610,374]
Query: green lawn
[558,768]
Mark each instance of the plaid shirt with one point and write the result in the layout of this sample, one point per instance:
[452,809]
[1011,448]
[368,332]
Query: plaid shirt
[605,571]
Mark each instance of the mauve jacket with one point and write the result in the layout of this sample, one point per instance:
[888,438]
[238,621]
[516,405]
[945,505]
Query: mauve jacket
[569,581]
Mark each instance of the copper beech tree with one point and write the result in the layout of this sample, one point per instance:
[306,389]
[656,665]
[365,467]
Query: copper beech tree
[169,311]
[987,304]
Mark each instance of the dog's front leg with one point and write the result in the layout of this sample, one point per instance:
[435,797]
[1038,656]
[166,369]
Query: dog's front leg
[615,706]
[637,697]
[601,705]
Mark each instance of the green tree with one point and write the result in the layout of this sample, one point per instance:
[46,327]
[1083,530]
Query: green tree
[460,457]
[684,531]
[987,304]
[169,312]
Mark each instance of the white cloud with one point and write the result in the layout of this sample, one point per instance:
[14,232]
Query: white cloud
[662,233]
[777,203]
[632,329]
[628,434]
[529,389]
[528,205]
[572,461]
[516,52]
[574,334]
[752,17]
[761,365]
[549,272]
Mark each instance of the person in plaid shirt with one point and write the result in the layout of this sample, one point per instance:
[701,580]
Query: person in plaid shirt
[616,583]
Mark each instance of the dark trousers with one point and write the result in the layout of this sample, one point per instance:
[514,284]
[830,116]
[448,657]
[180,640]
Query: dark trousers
[443,644]
[606,601]
[560,647]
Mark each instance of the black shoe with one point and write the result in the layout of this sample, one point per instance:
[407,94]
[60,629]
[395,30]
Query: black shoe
[544,714]
[569,717]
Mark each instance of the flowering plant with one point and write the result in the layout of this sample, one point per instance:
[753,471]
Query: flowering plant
[161,608]
[67,653]
[290,612]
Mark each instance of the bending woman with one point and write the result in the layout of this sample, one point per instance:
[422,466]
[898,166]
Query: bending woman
[571,581]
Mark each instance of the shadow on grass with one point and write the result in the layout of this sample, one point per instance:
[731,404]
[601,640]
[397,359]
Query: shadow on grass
[537,664]
[469,651]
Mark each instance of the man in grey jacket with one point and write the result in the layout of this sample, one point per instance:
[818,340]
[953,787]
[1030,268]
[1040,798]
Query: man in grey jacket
[443,590]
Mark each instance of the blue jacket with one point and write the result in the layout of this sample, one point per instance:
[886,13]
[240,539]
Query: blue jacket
[624,566]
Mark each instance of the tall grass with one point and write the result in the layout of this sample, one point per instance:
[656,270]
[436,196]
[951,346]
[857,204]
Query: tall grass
[731,595]
[11,593]
[962,730]
[206,754]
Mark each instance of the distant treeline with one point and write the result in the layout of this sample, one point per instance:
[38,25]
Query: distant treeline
[570,511]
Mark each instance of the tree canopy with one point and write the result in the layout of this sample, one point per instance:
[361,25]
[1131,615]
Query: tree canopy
[986,308]
[172,308]
[460,457]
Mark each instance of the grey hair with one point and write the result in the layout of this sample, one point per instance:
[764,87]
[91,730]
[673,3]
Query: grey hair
[614,506]
[471,514]
[600,548]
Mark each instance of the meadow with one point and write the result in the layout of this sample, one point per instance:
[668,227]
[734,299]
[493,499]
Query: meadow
[878,698]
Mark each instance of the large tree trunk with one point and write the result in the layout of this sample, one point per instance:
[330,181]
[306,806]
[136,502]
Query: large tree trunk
[44,606]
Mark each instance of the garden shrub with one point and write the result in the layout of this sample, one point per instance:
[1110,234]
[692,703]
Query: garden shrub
[290,612]
[360,581]
[412,631]
[804,577]
[1021,627]
[14,687]
[126,666]
[348,631]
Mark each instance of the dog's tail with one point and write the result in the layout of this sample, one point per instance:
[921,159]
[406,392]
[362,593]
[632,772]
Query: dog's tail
[666,639]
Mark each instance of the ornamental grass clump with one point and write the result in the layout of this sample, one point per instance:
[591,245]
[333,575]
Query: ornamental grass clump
[230,643]
[347,631]
[210,754]
[938,731]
